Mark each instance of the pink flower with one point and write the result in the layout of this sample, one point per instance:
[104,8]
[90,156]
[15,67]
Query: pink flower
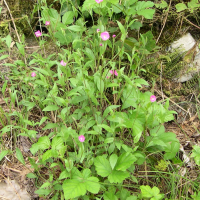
[47,23]
[63,63]
[98,30]
[81,138]
[33,74]
[107,77]
[115,72]
[100,44]
[98,1]
[153,98]
[114,36]
[105,35]
[38,33]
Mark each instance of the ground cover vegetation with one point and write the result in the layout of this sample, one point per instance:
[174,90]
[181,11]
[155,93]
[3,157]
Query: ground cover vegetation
[94,124]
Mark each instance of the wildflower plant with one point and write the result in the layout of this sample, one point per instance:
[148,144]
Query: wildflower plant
[98,123]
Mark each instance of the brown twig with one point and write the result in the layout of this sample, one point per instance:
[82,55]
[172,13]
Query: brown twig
[191,23]
[164,22]
[12,21]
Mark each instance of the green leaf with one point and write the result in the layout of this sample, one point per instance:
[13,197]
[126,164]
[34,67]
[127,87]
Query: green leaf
[89,53]
[47,155]
[146,191]
[43,71]
[4,56]
[109,140]
[43,120]
[113,160]
[76,28]
[50,126]
[125,161]
[171,150]
[8,41]
[141,5]
[3,154]
[31,175]
[99,82]
[109,109]
[21,48]
[102,165]
[73,188]
[43,143]
[137,130]
[161,5]
[20,156]
[57,143]
[43,191]
[136,25]
[117,176]
[147,13]
[180,7]
[68,17]
[51,108]
[122,29]
[196,154]
[92,185]
[64,175]
[109,196]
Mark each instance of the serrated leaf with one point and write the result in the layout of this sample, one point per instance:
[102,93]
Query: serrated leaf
[92,185]
[47,155]
[180,7]
[20,156]
[73,188]
[109,196]
[146,191]
[147,13]
[141,5]
[117,176]
[43,143]
[102,165]
[125,161]
[57,143]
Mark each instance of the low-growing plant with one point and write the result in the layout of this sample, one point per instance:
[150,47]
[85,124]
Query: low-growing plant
[98,118]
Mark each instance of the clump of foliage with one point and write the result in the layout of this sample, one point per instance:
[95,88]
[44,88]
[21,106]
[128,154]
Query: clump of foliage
[97,122]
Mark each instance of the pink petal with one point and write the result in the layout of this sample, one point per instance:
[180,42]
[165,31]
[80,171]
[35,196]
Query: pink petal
[111,71]
[115,72]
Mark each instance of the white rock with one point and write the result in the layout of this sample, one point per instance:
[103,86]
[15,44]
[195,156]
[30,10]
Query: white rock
[183,44]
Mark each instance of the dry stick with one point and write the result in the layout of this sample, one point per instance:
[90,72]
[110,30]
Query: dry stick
[164,22]
[191,23]
[161,81]
[12,21]
[170,100]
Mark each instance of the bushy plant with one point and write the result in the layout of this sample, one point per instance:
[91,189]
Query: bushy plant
[98,119]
